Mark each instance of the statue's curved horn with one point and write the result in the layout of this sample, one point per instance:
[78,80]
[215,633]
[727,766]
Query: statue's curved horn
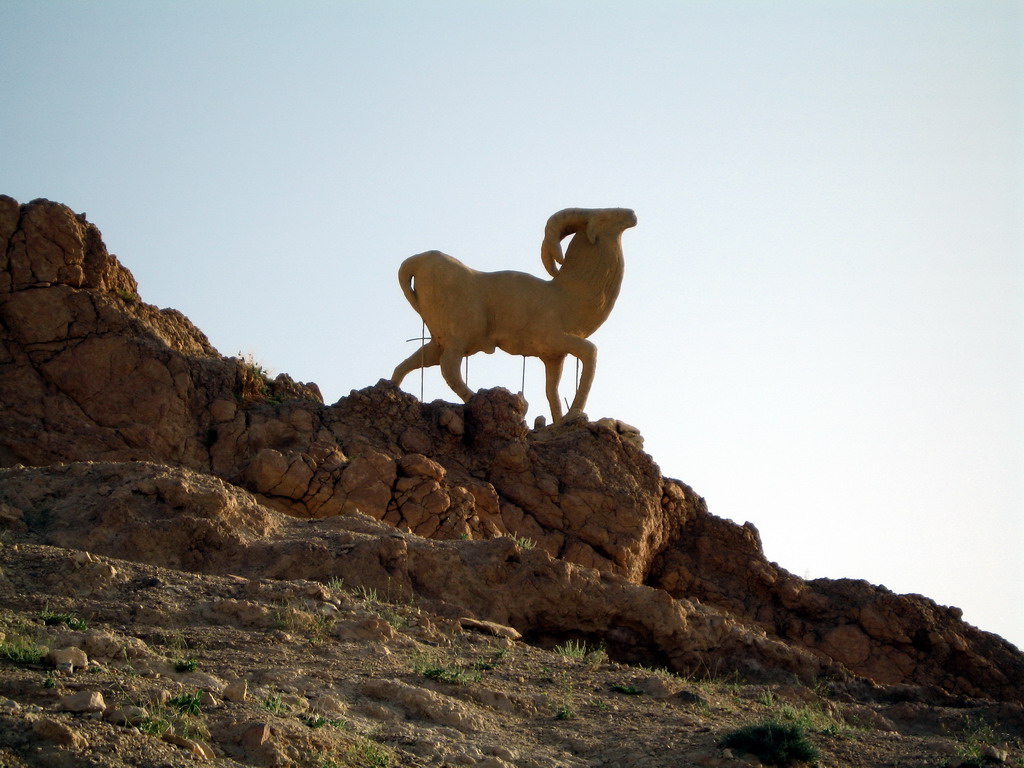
[558,227]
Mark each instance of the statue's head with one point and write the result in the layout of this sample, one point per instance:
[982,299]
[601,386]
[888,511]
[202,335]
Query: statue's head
[610,221]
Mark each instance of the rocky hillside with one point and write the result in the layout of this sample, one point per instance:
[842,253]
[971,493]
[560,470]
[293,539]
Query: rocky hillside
[161,488]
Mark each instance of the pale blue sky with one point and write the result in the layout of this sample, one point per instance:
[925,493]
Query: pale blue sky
[821,327]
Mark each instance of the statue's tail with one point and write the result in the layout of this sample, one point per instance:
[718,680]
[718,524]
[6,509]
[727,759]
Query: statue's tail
[406,274]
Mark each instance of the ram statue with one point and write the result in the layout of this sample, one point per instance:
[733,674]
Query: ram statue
[467,311]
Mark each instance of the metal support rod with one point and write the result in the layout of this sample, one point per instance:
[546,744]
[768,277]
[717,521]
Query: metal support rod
[423,343]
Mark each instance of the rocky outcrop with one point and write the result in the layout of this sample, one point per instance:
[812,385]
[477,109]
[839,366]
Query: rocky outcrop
[879,635]
[90,373]
[180,519]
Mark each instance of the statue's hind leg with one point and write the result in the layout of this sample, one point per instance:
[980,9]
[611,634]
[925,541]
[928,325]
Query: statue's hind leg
[451,362]
[424,357]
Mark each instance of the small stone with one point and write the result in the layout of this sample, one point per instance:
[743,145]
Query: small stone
[81,558]
[255,736]
[316,591]
[58,733]
[658,686]
[295,703]
[452,421]
[329,610]
[204,681]
[68,659]
[372,629]
[127,715]
[237,690]
[490,628]
[328,705]
[197,748]
[994,754]
[9,705]
[83,701]
[501,752]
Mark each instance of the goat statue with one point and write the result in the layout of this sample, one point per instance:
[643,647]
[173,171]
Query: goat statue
[468,311]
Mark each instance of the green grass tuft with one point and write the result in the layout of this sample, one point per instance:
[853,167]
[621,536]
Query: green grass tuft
[52,619]
[21,651]
[187,703]
[629,690]
[773,743]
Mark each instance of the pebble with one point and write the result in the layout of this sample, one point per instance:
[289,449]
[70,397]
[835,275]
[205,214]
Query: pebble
[9,705]
[81,557]
[57,733]
[127,715]
[237,690]
[994,754]
[197,748]
[295,703]
[68,659]
[255,736]
[501,752]
[83,701]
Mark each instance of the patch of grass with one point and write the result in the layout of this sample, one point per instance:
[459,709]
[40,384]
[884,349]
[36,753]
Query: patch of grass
[656,671]
[187,703]
[182,647]
[524,542]
[21,650]
[255,367]
[336,583]
[318,721]
[361,753]
[452,675]
[573,649]
[52,619]
[773,743]
[492,660]
[49,680]
[434,666]
[293,619]
[366,594]
[565,712]
[274,704]
[812,717]
[972,739]
[186,665]
[578,649]
[629,690]
[154,725]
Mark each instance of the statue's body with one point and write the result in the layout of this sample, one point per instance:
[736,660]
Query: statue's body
[468,311]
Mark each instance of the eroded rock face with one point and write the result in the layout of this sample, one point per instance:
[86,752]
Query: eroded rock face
[471,498]
[178,518]
[87,370]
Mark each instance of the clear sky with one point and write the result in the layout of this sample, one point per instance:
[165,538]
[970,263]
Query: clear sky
[821,326]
